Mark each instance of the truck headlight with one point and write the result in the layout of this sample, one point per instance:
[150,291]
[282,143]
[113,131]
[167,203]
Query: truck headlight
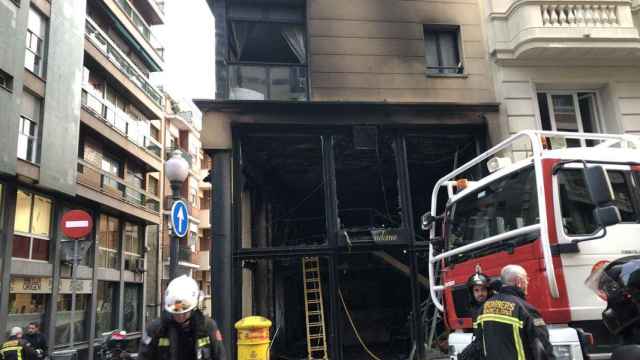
[562,352]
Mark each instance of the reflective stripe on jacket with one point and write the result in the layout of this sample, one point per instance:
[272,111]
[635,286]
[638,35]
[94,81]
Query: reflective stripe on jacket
[512,329]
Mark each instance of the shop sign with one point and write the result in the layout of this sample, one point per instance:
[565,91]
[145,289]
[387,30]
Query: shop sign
[31,285]
[43,285]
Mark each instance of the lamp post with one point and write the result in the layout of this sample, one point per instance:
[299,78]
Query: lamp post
[176,169]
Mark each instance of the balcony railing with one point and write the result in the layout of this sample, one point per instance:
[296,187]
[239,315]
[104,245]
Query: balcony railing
[601,15]
[98,179]
[111,51]
[267,82]
[143,28]
[119,121]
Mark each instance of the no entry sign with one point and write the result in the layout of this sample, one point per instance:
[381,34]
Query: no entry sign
[76,224]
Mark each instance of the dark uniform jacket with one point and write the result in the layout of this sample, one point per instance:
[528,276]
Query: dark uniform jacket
[474,350]
[17,349]
[164,339]
[37,341]
[512,329]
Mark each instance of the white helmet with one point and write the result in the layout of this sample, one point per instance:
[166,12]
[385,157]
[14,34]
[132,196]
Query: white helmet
[15,331]
[182,295]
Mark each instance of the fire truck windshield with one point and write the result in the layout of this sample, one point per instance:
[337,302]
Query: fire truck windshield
[503,205]
[577,208]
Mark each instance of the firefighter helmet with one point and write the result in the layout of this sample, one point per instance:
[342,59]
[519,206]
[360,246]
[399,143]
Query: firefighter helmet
[182,295]
[478,279]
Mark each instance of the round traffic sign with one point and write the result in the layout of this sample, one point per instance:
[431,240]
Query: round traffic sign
[76,224]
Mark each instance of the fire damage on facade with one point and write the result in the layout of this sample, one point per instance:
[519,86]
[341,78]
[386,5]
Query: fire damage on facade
[341,182]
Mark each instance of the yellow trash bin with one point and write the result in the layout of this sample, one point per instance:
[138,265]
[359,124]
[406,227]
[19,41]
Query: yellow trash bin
[253,338]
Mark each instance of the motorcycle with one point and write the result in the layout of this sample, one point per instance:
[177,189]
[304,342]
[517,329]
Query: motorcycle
[618,283]
[114,346]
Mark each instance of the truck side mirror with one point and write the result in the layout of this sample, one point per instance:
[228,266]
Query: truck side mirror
[427,220]
[601,193]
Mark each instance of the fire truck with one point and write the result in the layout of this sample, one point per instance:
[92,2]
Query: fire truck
[556,203]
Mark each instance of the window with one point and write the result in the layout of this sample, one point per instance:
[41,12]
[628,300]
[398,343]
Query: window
[206,162]
[577,208]
[111,167]
[109,238]
[153,186]
[255,81]
[6,81]
[206,200]
[132,246]
[26,307]
[132,307]
[32,225]
[36,40]
[442,49]
[135,180]
[506,204]
[81,319]
[107,307]
[28,129]
[569,111]
[205,240]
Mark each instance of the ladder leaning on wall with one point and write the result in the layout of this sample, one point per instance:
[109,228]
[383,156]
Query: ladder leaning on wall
[314,308]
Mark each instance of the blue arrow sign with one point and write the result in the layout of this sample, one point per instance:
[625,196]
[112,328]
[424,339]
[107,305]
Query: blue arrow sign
[179,218]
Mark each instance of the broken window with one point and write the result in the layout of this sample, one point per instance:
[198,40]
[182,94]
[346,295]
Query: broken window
[367,185]
[268,61]
[283,190]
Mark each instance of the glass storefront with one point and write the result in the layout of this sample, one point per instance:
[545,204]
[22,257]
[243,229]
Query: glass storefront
[132,307]
[107,308]
[80,319]
[28,301]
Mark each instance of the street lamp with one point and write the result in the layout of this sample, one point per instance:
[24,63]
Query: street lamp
[176,169]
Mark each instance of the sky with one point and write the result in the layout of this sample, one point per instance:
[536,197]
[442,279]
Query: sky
[188,38]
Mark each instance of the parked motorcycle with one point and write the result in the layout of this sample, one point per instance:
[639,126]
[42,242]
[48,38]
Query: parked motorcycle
[114,346]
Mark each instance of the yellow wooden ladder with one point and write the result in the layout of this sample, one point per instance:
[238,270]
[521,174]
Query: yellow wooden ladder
[314,309]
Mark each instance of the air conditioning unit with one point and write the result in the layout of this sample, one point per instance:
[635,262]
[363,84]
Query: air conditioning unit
[139,265]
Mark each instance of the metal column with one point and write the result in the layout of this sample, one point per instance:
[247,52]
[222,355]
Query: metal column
[220,254]
[402,169]
[331,214]
[52,310]
[9,205]
[94,282]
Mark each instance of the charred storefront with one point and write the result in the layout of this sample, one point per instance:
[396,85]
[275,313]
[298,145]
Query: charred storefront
[343,183]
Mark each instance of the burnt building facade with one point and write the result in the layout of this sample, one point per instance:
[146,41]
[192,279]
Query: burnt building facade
[331,123]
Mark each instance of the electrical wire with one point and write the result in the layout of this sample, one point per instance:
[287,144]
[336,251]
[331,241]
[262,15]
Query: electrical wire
[353,326]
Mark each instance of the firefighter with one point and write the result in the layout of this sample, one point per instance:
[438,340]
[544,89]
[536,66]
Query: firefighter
[183,332]
[510,327]
[479,292]
[37,340]
[16,348]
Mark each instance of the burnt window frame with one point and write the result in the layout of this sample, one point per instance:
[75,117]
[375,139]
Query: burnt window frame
[264,64]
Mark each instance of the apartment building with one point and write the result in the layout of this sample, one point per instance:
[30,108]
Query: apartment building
[565,66]
[82,128]
[182,135]
[331,123]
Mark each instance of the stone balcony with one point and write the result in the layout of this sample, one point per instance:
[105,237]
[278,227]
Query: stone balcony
[533,29]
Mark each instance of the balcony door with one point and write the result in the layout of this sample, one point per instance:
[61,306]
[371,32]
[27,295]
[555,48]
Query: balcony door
[570,111]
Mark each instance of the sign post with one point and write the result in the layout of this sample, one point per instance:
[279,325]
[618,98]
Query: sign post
[180,227]
[75,224]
